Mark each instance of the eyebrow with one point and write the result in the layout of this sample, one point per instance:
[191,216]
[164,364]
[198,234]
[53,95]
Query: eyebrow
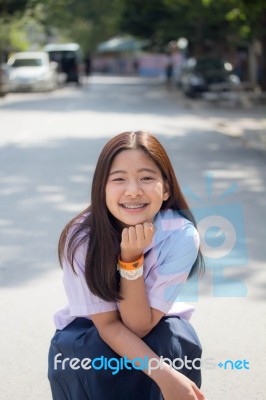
[120,171]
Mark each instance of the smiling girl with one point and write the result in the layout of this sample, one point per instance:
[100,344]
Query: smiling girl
[125,260]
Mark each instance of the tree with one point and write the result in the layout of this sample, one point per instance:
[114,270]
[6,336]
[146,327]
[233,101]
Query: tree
[86,21]
[165,20]
[209,25]
[255,14]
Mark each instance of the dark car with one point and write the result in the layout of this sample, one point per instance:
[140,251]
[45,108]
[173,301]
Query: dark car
[199,74]
[69,58]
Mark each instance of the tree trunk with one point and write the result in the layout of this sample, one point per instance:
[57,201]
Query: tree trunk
[262,66]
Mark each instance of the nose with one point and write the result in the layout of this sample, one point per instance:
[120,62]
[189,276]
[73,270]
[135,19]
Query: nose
[133,189]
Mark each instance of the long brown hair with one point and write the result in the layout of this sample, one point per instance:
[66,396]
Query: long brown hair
[97,225]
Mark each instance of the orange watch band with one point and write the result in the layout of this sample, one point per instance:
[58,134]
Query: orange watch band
[131,266]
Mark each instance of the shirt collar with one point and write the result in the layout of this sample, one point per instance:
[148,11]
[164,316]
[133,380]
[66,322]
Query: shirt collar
[166,222]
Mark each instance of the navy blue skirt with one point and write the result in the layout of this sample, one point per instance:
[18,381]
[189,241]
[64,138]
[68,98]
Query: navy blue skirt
[172,338]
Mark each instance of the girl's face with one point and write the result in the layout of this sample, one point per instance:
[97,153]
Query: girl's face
[135,188]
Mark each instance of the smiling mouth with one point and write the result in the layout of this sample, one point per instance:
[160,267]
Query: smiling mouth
[129,206]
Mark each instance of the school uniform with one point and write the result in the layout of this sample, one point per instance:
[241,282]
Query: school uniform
[167,263]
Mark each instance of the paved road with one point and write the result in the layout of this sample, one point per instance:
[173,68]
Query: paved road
[48,147]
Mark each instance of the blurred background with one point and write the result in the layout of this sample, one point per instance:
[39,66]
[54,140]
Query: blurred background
[146,38]
[75,73]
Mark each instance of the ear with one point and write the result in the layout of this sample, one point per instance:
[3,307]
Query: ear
[166,192]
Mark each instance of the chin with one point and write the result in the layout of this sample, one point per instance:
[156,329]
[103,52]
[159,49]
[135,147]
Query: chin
[134,222]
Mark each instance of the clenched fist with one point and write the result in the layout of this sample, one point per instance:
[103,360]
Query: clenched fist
[134,240]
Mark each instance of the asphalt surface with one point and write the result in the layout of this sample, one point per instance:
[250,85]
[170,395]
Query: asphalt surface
[49,144]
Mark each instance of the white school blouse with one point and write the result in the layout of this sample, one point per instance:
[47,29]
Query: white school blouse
[167,263]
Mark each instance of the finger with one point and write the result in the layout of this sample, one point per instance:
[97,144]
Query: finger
[140,234]
[132,236]
[148,230]
[198,393]
[125,236]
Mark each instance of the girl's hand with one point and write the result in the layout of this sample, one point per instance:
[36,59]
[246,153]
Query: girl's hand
[176,386]
[134,240]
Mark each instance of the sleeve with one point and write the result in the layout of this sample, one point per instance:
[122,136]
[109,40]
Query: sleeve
[81,301]
[170,272]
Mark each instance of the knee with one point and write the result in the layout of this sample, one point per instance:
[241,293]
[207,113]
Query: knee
[54,371]
[53,374]
[56,364]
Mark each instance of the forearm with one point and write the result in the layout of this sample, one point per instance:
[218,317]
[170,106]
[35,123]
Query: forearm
[173,385]
[135,309]
[127,344]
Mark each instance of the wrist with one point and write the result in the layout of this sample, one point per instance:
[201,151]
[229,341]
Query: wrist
[160,374]
[131,270]
[163,373]
[128,257]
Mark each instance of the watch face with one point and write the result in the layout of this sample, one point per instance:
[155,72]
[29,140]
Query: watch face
[131,275]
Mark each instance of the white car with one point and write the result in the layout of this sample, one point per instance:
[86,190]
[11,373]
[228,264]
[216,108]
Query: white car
[32,71]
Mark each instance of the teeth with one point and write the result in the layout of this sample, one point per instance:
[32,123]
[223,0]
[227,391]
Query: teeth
[134,205]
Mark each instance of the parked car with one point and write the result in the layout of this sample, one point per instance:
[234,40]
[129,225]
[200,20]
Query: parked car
[199,74]
[69,59]
[32,71]
[4,80]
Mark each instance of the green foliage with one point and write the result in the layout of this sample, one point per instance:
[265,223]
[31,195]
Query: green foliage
[90,22]
[11,7]
[165,20]
[216,21]
[145,18]
[18,36]
[21,34]
[206,3]
[87,22]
